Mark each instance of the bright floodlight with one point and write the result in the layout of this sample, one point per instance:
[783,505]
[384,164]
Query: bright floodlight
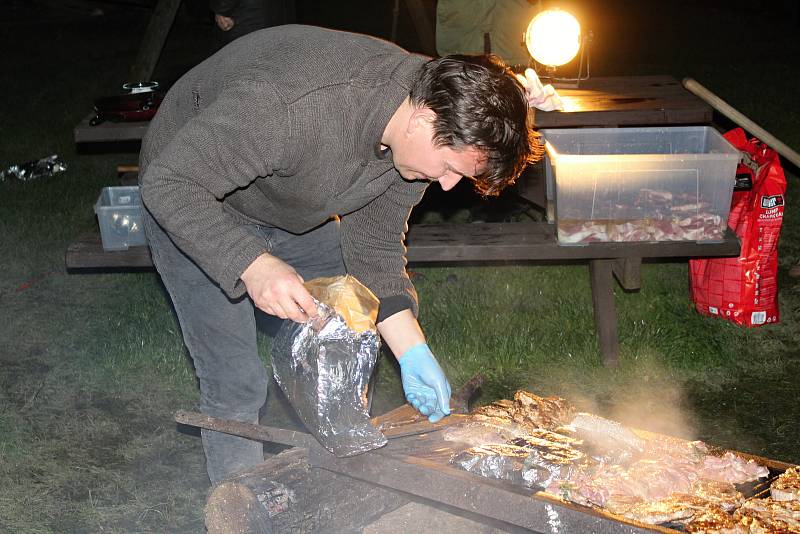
[553,37]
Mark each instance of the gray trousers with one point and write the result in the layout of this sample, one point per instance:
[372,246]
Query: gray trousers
[220,333]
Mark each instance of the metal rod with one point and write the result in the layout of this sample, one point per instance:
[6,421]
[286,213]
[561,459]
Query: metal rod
[739,118]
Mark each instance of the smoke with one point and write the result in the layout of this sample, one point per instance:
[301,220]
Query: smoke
[658,408]
[643,396]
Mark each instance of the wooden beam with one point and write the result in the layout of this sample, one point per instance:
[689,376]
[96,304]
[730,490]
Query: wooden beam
[108,132]
[605,312]
[86,253]
[154,38]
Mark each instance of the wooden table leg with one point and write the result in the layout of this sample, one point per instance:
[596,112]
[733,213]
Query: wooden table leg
[605,313]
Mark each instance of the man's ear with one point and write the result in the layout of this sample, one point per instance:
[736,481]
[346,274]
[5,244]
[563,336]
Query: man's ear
[420,118]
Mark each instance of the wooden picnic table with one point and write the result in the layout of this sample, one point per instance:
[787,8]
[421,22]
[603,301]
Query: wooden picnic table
[612,101]
[598,102]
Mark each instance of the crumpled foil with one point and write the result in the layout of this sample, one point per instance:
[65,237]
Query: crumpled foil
[499,461]
[534,459]
[324,367]
[31,170]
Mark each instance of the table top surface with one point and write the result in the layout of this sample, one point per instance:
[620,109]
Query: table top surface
[611,101]
[626,101]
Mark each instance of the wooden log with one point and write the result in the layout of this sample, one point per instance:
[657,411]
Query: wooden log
[233,508]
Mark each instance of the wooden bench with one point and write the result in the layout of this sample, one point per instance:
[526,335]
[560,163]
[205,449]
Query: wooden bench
[485,243]
[108,132]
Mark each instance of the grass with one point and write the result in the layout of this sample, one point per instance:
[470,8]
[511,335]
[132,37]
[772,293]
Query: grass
[92,366]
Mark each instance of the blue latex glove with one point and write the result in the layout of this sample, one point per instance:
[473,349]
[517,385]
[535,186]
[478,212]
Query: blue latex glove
[424,383]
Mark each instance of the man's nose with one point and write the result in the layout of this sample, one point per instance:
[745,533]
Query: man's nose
[449,181]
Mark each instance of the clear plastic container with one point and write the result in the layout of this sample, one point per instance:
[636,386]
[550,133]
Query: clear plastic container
[119,213]
[640,184]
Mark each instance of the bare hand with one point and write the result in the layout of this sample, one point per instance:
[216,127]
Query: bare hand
[223,23]
[276,288]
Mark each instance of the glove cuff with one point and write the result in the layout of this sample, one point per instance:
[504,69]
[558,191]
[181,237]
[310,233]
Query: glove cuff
[415,352]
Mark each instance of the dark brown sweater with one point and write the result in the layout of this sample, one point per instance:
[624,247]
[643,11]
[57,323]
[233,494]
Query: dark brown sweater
[283,128]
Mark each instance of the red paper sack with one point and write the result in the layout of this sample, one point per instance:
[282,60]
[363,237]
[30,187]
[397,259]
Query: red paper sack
[744,290]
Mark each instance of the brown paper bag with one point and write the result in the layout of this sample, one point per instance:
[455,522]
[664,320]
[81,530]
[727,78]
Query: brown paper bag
[357,305]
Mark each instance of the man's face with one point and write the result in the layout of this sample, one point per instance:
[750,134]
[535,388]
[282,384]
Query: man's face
[418,158]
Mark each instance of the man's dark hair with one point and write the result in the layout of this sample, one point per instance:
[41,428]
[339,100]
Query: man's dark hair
[479,103]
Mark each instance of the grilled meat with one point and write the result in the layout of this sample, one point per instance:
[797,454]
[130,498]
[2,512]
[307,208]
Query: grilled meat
[653,479]
[722,494]
[768,516]
[645,480]
[677,507]
[529,411]
[787,486]
[731,468]
[494,410]
[546,438]
[543,412]
[715,520]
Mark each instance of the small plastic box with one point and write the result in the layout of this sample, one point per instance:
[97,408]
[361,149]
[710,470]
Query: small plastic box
[639,184]
[119,213]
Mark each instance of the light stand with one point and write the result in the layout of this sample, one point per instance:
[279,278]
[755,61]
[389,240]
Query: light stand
[550,74]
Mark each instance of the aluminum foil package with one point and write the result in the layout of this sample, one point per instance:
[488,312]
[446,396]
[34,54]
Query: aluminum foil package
[500,461]
[323,367]
[535,459]
[31,170]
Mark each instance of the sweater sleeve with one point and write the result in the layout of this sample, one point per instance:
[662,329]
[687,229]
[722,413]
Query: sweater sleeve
[239,137]
[373,248]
